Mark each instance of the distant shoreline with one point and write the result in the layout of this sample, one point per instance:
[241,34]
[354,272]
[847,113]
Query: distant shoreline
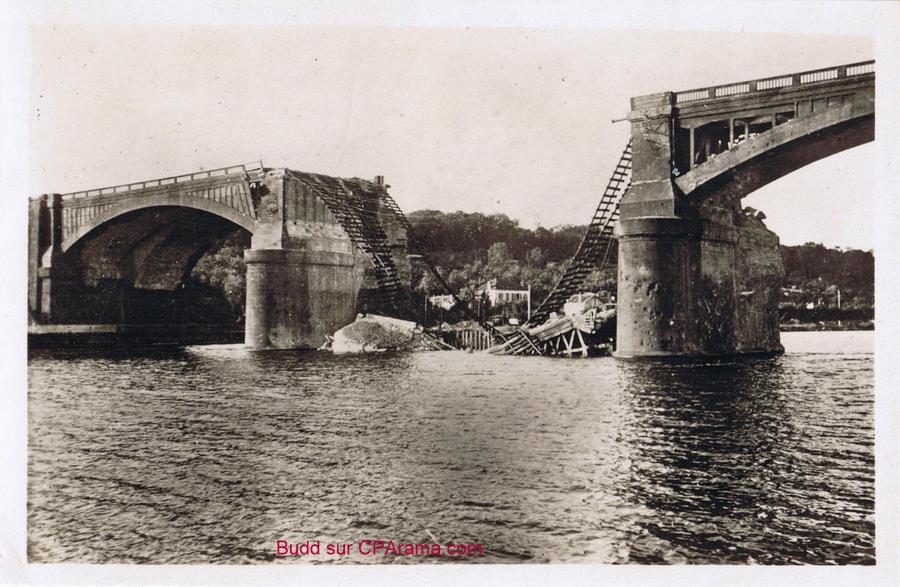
[828,326]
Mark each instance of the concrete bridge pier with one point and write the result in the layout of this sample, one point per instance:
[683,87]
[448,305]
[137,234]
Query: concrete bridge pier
[654,277]
[303,275]
[296,297]
[676,288]
[695,277]
[655,245]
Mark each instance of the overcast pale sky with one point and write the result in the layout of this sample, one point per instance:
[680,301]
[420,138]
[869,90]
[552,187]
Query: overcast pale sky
[516,121]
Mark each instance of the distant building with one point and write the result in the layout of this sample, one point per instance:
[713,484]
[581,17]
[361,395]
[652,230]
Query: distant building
[445,301]
[499,296]
[578,304]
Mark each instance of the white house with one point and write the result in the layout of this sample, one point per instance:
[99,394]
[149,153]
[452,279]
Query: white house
[445,301]
[505,296]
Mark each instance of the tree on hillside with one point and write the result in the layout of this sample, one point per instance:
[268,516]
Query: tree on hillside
[470,249]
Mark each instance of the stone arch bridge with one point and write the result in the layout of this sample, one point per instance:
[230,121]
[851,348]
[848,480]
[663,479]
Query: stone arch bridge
[89,251]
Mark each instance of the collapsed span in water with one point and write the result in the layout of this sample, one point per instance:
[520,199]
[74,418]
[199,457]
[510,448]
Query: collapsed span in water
[547,333]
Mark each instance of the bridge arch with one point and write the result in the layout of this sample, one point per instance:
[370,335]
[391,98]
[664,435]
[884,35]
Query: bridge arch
[743,169]
[137,267]
[174,200]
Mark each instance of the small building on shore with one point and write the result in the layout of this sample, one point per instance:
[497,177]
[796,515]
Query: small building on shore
[505,296]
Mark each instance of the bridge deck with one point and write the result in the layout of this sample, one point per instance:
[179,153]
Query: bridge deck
[242,169]
[709,121]
[770,84]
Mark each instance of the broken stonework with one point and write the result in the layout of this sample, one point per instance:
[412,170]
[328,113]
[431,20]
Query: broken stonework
[373,333]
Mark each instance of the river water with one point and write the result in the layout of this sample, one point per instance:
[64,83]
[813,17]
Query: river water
[212,454]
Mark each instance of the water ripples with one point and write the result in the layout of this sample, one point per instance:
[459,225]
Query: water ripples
[211,454]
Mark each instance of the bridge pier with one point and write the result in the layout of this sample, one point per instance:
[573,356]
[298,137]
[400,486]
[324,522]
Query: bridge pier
[48,282]
[691,287]
[654,277]
[695,277]
[676,288]
[297,297]
[303,274]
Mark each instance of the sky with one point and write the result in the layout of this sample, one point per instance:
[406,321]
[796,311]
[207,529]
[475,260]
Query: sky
[494,120]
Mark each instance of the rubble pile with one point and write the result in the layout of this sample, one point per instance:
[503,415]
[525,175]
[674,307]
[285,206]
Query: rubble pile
[373,333]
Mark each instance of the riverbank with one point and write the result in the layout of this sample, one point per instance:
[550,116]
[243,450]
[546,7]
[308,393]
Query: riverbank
[830,325]
[119,335]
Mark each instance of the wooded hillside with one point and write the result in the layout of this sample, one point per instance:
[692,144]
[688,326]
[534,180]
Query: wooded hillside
[471,249]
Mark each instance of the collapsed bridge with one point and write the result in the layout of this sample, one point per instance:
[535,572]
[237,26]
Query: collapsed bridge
[696,274]
[97,256]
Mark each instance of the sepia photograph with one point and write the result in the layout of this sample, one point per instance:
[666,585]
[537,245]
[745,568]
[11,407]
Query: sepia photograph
[522,292]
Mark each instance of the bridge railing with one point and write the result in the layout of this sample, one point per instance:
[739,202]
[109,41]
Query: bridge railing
[141,185]
[772,83]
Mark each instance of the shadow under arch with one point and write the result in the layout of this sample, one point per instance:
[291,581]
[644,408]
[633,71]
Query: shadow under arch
[130,206]
[135,268]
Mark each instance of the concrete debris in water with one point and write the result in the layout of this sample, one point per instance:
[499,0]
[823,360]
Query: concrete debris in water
[373,333]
